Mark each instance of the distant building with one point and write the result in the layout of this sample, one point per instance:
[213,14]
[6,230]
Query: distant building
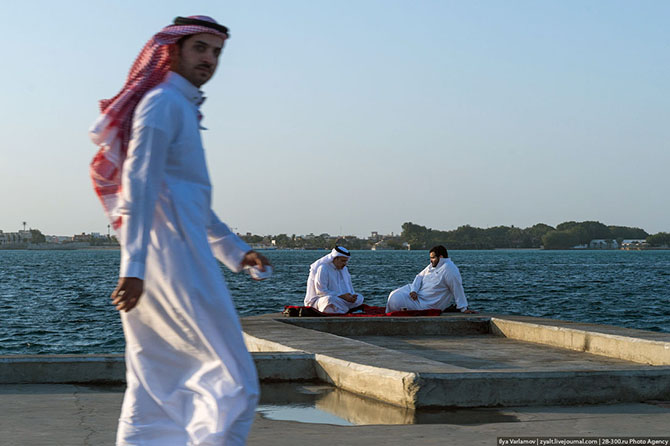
[81,237]
[13,238]
[57,238]
[634,244]
[603,244]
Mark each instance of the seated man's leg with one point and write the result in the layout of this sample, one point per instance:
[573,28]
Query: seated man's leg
[399,300]
[331,305]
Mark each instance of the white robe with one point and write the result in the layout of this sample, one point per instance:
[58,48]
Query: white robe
[325,284]
[190,378]
[437,288]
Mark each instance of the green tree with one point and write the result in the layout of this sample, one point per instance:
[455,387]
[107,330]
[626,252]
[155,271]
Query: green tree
[252,238]
[586,231]
[659,240]
[623,232]
[560,239]
[535,233]
[37,236]
[415,235]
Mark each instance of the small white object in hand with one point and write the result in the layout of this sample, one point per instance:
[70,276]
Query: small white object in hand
[257,274]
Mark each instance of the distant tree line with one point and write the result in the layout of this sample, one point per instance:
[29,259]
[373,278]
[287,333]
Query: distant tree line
[323,241]
[660,239]
[564,236]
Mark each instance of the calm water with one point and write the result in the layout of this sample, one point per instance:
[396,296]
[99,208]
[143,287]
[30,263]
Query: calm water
[58,301]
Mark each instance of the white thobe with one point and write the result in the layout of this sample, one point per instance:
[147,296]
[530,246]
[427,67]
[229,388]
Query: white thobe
[190,378]
[437,287]
[328,284]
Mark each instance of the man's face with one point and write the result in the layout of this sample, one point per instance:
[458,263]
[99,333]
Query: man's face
[197,57]
[434,259]
[340,262]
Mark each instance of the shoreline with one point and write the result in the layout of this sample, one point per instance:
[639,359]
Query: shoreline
[117,248]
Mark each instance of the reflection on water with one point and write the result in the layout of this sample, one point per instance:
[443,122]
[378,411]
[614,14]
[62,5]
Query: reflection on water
[313,403]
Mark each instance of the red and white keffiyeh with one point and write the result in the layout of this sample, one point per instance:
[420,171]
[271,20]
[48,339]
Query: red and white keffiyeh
[111,131]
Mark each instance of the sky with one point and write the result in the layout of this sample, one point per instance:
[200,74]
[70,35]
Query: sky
[348,117]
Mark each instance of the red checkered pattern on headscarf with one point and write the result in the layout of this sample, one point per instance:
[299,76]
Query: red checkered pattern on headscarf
[111,132]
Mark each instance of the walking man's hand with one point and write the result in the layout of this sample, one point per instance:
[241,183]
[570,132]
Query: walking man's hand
[127,293]
[254,259]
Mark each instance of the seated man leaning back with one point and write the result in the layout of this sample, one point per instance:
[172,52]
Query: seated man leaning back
[329,288]
[438,286]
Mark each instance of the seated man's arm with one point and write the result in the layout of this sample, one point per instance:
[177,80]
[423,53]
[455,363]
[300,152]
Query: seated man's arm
[455,283]
[415,286]
[354,297]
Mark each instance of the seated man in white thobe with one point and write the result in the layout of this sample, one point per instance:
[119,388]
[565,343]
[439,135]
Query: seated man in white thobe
[439,286]
[329,288]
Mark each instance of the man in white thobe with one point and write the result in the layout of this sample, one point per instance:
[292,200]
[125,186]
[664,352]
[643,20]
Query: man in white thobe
[329,287]
[190,379]
[439,286]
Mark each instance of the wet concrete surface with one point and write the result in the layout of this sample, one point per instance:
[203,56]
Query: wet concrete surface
[70,415]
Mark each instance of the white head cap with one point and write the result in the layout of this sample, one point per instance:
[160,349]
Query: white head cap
[340,251]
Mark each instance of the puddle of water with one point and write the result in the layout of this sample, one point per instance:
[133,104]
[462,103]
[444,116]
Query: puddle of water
[302,414]
[329,405]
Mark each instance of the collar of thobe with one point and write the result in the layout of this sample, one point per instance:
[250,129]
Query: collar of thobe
[439,264]
[190,91]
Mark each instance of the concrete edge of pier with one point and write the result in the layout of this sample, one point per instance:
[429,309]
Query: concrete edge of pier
[110,369]
[414,381]
[615,342]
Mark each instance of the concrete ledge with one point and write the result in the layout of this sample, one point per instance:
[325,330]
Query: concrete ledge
[258,344]
[61,369]
[620,346]
[285,367]
[395,326]
[391,386]
[539,388]
[51,369]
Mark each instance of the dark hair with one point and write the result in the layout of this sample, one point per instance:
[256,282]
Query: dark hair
[440,250]
[180,42]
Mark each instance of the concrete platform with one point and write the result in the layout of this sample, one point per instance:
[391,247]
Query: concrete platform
[523,367]
[474,360]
